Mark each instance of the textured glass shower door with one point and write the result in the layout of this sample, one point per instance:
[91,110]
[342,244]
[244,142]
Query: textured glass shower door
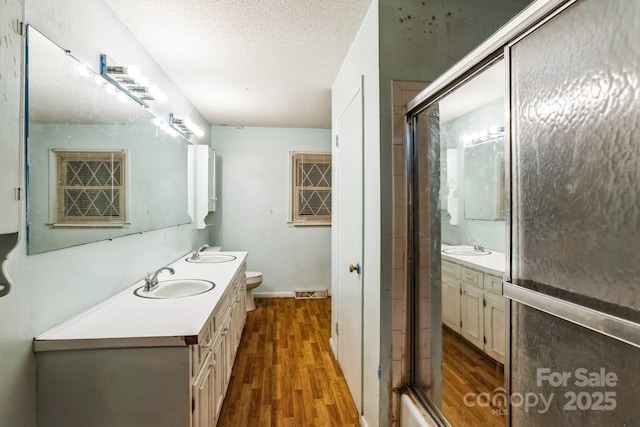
[576,138]
[575,111]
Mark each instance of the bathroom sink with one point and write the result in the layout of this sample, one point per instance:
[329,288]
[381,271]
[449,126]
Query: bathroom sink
[211,258]
[176,289]
[464,251]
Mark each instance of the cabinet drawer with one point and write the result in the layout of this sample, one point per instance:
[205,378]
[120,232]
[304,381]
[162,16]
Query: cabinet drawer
[199,351]
[493,283]
[241,277]
[472,277]
[221,312]
[450,269]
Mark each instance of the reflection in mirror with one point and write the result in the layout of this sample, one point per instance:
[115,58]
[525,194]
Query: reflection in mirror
[458,185]
[97,166]
[484,180]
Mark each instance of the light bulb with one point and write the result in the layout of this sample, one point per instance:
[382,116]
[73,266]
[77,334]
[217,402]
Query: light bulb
[83,70]
[494,129]
[161,97]
[99,80]
[157,122]
[122,97]
[199,132]
[111,89]
[133,71]
[153,90]
[142,81]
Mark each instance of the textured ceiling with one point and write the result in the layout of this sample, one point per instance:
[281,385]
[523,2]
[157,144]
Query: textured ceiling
[249,62]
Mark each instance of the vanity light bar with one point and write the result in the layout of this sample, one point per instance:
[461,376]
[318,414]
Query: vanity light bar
[128,79]
[165,127]
[185,127]
[484,135]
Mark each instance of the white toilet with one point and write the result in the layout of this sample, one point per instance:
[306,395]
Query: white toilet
[254,279]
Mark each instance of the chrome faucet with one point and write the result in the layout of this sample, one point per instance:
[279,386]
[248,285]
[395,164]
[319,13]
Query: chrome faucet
[151,282]
[478,247]
[196,254]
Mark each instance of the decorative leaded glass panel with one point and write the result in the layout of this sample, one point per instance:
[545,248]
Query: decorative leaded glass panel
[90,187]
[312,188]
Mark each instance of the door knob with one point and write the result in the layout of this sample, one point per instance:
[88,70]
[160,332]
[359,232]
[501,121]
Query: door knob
[355,268]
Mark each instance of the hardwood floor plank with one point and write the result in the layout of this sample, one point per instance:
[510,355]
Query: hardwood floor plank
[284,373]
[466,370]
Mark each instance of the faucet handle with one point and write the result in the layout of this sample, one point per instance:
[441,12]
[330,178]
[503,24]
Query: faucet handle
[148,282]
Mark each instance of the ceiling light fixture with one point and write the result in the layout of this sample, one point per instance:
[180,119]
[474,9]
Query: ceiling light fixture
[128,79]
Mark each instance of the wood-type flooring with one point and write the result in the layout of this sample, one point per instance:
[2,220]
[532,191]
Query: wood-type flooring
[284,373]
[466,370]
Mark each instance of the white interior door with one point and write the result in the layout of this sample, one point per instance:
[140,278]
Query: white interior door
[349,211]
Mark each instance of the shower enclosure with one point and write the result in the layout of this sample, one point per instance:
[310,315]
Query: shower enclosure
[544,170]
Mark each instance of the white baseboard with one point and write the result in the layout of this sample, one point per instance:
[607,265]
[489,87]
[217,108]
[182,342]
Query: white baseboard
[363,422]
[274,294]
[334,350]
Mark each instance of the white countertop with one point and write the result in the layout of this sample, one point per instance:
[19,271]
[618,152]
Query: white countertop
[126,320]
[494,263]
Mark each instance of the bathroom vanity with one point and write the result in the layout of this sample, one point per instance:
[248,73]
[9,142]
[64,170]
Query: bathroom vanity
[472,301]
[132,361]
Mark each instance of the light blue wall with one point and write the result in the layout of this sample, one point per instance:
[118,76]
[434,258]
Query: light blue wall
[51,287]
[252,207]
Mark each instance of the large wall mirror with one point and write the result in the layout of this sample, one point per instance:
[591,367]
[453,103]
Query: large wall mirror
[97,166]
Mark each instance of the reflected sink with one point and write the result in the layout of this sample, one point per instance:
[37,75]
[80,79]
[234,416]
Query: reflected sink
[176,289]
[464,251]
[204,257]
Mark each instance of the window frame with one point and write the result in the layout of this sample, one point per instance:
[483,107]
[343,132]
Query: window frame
[295,217]
[58,160]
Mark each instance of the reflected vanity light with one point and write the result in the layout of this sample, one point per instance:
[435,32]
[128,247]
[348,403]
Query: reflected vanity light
[185,127]
[84,71]
[165,127]
[129,79]
[483,136]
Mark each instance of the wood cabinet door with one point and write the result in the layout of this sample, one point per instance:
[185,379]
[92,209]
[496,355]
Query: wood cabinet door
[219,377]
[203,396]
[494,326]
[451,303]
[472,314]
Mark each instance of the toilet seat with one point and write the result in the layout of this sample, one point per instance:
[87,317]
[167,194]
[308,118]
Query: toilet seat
[253,277]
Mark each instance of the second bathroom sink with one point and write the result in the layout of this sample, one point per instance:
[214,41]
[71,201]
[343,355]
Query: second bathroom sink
[176,289]
[211,258]
[464,251]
